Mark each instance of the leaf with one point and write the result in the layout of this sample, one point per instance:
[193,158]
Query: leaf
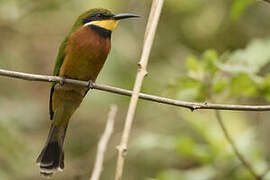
[243,85]
[239,7]
[209,58]
[193,64]
[265,88]
[190,89]
[249,60]
[187,147]
[219,86]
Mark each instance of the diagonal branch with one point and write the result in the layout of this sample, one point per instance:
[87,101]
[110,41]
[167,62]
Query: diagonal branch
[235,149]
[148,42]
[190,105]
[102,145]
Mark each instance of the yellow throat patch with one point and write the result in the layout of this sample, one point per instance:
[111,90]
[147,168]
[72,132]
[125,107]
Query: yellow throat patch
[106,24]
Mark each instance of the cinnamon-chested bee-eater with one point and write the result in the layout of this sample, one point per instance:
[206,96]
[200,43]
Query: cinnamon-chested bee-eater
[81,56]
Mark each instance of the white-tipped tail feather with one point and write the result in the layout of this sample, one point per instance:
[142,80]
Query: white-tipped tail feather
[51,158]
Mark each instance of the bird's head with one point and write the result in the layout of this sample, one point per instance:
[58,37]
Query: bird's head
[100,17]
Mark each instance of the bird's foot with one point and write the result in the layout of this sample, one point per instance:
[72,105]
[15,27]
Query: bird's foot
[90,84]
[62,81]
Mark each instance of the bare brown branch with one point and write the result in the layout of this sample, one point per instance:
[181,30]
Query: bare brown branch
[190,105]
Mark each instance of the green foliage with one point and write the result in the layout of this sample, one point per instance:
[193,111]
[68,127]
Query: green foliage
[219,85]
[187,147]
[206,154]
[210,58]
[235,74]
[249,60]
[243,84]
[239,7]
[265,87]
[193,64]
[232,76]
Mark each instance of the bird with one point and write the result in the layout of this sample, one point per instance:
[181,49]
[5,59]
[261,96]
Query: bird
[81,56]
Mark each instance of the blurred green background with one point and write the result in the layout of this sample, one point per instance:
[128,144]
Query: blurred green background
[205,50]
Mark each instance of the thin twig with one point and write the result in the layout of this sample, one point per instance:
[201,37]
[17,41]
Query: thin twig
[190,105]
[102,145]
[235,149]
[148,41]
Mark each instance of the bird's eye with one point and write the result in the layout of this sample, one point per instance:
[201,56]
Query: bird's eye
[98,15]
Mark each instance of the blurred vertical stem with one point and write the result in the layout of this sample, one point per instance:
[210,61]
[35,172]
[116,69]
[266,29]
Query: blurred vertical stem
[148,41]
[102,145]
[235,149]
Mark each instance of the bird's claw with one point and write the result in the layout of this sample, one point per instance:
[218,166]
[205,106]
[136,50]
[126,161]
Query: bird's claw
[90,84]
[62,81]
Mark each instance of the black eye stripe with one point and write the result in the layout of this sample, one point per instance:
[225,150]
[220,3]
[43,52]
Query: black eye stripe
[96,16]
[86,20]
[102,15]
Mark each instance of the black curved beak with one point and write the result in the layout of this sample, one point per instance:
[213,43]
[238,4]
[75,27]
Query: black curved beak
[124,16]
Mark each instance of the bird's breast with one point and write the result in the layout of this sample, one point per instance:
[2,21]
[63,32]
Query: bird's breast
[85,54]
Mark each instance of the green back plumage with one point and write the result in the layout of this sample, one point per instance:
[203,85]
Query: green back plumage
[61,52]
[57,66]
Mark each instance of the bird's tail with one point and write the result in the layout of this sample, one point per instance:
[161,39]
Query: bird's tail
[51,158]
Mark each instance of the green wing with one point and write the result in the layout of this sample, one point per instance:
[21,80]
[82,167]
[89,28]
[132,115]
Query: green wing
[58,64]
